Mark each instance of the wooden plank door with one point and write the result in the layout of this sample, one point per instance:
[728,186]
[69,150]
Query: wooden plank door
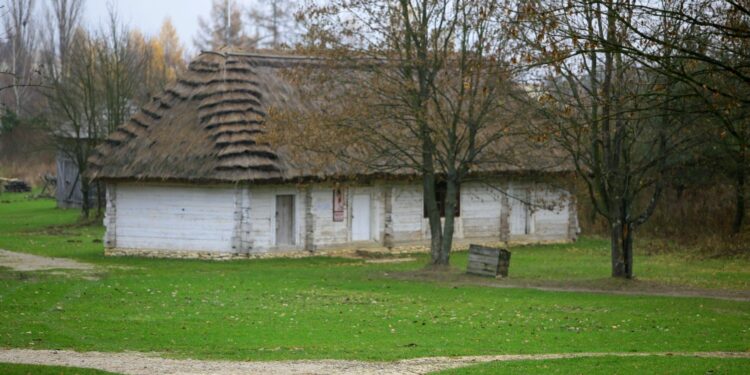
[284,220]
[361,217]
[520,217]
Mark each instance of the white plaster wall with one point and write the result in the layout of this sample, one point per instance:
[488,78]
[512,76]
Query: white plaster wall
[174,217]
[201,218]
[481,207]
[327,231]
[407,212]
[551,222]
[519,195]
[548,214]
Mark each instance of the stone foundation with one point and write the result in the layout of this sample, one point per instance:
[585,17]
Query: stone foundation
[340,251]
[215,255]
[149,253]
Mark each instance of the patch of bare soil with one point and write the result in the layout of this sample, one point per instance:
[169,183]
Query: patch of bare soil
[133,363]
[390,260]
[29,262]
[605,286]
[375,255]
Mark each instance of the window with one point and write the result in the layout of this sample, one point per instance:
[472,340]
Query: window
[441,190]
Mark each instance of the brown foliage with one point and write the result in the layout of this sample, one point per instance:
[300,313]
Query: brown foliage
[25,154]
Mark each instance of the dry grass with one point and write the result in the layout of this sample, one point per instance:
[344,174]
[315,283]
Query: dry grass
[30,171]
[703,247]
[26,154]
[695,222]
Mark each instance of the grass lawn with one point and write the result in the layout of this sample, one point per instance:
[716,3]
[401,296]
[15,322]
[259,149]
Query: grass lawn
[348,309]
[12,369]
[612,365]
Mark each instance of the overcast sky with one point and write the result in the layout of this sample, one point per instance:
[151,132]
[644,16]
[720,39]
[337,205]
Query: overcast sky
[148,15]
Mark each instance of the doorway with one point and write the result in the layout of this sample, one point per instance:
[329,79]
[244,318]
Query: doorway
[284,220]
[520,213]
[361,217]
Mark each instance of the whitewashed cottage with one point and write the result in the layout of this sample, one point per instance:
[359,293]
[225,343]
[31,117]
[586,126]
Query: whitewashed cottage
[187,177]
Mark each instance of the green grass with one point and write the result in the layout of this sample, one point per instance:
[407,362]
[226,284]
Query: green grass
[338,308]
[588,260]
[612,365]
[12,369]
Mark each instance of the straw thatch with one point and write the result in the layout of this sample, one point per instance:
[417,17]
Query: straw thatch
[209,126]
[204,127]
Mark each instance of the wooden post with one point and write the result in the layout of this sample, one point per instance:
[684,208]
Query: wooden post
[246,228]
[572,217]
[309,221]
[242,241]
[388,216]
[110,217]
[505,216]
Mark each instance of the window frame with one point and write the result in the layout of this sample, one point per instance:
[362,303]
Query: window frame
[441,192]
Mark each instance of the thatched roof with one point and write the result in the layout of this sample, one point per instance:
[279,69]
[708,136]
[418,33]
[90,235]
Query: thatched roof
[209,126]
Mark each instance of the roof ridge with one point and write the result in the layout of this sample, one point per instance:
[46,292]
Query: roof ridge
[276,59]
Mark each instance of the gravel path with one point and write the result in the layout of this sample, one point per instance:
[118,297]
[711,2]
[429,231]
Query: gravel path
[29,262]
[133,363]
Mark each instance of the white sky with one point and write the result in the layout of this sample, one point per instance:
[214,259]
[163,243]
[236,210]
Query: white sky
[147,15]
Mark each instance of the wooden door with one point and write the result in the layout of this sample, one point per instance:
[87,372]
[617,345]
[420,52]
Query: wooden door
[361,217]
[520,217]
[284,220]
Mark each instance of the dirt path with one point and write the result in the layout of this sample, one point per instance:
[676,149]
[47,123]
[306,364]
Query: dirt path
[741,296]
[134,363]
[29,262]
[603,286]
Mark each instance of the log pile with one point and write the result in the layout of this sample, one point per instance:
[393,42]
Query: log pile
[14,185]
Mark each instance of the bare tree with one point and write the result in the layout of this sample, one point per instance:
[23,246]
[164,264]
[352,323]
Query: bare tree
[614,117]
[92,95]
[18,25]
[275,23]
[225,28]
[423,94]
[709,51]
[63,18]
[119,66]
[75,119]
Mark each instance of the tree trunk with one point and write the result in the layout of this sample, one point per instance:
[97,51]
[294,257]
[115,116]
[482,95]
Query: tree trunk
[622,250]
[99,199]
[450,220]
[739,214]
[433,215]
[85,198]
